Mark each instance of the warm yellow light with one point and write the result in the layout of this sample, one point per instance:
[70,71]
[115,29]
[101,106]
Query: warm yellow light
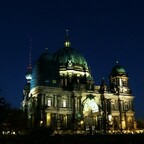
[48,119]
[67,44]
[64,103]
[110,117]
[90,106]
[41,122]
[123,124]
[81,122]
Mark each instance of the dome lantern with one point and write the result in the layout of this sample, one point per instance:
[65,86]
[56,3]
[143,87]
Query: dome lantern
[67,42]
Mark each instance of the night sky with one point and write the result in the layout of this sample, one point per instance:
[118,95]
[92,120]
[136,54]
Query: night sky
[103,31]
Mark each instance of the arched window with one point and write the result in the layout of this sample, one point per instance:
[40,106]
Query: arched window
[126,106]
[49,102]
[64,103]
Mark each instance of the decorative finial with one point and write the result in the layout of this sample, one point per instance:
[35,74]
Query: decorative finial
[46,49]
[67,32]
[67,42]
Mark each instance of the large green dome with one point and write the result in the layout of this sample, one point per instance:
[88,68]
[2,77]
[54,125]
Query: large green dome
[45,71]
[118,71]
[70,55]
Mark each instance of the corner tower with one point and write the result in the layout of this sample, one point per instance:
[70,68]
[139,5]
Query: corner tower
[119,80]
[120,100]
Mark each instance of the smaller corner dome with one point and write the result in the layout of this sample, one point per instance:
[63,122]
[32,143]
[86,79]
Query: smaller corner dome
[118,71]
[45,71]
[46,56]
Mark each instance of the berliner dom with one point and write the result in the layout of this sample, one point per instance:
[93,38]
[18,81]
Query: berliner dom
[61,94]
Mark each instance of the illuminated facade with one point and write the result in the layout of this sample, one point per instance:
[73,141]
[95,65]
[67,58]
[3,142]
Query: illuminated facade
[60,93]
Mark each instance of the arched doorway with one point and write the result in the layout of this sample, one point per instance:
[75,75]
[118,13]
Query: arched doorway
[91,114]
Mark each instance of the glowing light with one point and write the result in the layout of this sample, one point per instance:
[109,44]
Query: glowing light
[123,124]
[49,102]
[48,119]
[81,122]
[90,106]
[110,117]
[28,76]
[64,103]
[67,44]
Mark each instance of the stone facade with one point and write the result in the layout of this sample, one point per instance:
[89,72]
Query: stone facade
[71,102]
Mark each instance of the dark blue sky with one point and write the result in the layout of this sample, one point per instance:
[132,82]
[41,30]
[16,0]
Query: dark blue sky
[104,32]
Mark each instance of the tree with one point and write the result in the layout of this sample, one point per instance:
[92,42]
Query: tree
[11,119]
[15,120]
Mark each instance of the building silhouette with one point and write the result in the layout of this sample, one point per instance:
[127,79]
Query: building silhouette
[60,93]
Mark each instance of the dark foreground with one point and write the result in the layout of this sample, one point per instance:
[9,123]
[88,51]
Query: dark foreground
[74,139]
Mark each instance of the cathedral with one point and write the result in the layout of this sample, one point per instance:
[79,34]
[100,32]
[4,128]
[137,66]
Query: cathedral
[60,93]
